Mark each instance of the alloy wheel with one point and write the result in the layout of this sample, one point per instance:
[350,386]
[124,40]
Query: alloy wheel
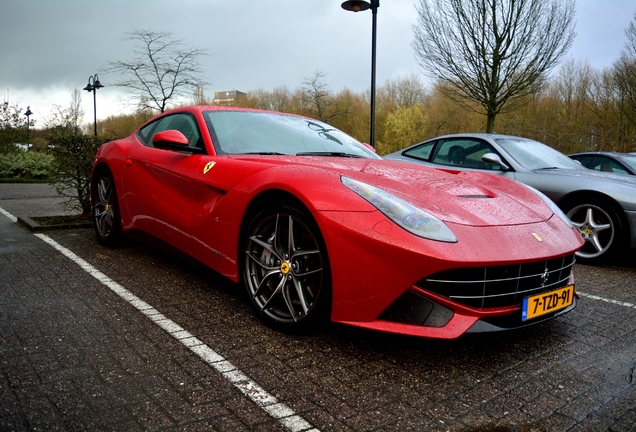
[105,212]
[595,226]
[284,268]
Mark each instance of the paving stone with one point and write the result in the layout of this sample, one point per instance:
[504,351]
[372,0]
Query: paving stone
[75,356]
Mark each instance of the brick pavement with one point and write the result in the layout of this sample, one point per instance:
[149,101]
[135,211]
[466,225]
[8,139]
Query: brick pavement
[73,356]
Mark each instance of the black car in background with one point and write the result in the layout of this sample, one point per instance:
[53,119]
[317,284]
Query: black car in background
[619,163]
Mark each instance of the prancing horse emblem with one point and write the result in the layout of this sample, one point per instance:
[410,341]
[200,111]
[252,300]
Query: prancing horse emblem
[544,278]
[208,167]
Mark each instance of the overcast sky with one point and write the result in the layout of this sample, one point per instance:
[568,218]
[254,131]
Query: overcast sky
[48,48]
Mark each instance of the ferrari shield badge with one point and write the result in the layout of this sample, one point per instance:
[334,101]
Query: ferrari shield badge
[208,167]
[284,267]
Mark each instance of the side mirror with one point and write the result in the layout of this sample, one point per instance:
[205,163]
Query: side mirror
[170,140]
[495,159]
[175,140]
[367,145]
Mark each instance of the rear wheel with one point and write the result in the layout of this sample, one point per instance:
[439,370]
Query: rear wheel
[106,216]
[286,270]
[601,228]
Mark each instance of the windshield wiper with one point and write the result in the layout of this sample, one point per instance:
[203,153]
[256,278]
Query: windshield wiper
[264,153]
[333,154]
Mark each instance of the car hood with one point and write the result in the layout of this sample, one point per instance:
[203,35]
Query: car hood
[590,174]
[466,198]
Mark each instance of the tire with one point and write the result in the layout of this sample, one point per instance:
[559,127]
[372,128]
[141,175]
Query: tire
[106,215]
[286,270]
[601,228]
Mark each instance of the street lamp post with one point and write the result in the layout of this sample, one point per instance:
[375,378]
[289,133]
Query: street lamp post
[357,6]
[28,114]
[92,86]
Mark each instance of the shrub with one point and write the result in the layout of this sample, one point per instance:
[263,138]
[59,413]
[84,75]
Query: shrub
[71,170]
[25,164]
[37,164]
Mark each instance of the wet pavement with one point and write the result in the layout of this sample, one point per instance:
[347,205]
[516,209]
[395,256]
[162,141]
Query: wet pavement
[134,338]
[34,200]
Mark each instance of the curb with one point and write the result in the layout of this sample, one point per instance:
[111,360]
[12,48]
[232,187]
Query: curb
[34,226]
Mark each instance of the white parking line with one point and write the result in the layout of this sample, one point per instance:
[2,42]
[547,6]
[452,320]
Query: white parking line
[616,302]
[268,403]
[9,215]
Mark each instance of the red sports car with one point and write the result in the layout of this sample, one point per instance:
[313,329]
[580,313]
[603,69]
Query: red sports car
[315,226]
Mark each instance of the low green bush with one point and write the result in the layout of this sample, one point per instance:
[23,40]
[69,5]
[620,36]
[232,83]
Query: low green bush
[25,165]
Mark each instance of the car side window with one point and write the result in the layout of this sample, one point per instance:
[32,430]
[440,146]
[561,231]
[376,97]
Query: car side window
[145,134]
[184,123]
[422,152]
[465,153]
[600,163]
[616,168]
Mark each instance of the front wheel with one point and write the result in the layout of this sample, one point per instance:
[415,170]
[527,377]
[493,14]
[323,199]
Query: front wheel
[601,228]
[286,269]
[106,216]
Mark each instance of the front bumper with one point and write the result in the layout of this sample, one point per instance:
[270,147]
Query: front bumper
[423,314]
[374,264]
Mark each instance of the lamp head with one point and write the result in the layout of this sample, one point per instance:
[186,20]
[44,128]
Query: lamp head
[89,86]
[356,5]
[96,83]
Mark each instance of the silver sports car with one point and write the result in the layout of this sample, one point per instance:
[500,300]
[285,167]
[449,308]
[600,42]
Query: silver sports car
[602,206]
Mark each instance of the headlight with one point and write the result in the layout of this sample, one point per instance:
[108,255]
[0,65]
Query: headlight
[555,208]
[403,213]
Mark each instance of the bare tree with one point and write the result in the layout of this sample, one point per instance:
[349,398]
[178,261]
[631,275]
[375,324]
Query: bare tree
[67,121]
[405,91]
[319,101]
[630,44]
[625,74]
[198,98]
[492,54]
[161,69]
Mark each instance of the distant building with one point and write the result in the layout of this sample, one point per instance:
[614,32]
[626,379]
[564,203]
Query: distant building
[228,97]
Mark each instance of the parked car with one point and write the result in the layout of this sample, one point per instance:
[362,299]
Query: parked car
[619,163]
[315,226]
[602,206]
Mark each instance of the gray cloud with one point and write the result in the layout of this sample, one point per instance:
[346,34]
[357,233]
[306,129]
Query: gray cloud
[48,48]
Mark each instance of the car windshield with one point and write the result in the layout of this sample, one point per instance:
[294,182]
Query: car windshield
[249,132]
[629,160]
[534,155]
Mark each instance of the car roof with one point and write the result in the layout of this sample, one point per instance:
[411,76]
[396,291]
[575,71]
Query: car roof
[604,153]
[483,135]
[203,108]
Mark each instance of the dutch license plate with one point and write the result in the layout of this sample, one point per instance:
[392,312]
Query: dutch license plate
[547,302]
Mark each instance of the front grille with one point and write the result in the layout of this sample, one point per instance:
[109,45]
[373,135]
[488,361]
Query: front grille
[488,287]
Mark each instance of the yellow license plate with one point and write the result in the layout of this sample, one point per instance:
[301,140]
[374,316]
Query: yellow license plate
[547,302]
